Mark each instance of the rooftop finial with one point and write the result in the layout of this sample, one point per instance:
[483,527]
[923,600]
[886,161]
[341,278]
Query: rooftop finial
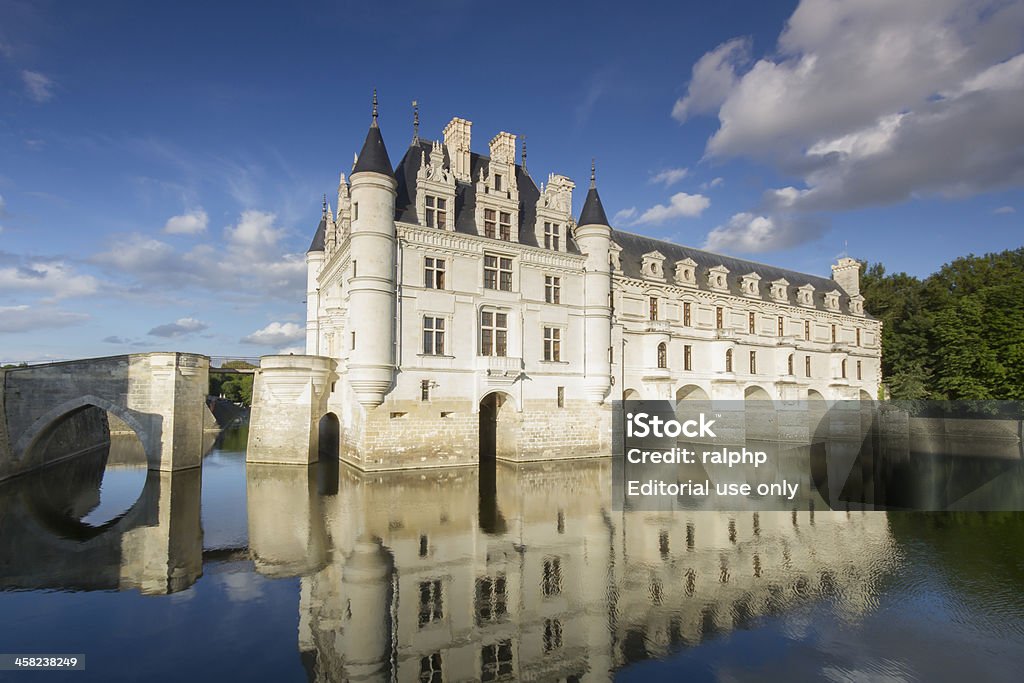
[524,154]
[415,122]
[593,180]
[374,124]
[324,210]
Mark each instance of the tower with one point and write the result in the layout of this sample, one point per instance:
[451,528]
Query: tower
[314,262]
[372,286]
[593,235]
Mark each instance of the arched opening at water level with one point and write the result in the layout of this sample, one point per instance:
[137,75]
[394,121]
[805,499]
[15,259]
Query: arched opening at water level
[329,447]
[491,407]
[108,461]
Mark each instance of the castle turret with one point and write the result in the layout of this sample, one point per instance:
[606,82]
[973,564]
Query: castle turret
[593,235]
[846,273]
[372,286]
[314,262]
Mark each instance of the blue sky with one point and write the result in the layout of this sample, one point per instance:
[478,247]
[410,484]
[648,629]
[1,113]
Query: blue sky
[161,164]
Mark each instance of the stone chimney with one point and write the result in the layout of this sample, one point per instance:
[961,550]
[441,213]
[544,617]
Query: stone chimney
[846,273]
[457,139]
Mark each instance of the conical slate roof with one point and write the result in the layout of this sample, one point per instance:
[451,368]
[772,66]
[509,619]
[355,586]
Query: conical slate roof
[593,211]
[374,155]
[319,236]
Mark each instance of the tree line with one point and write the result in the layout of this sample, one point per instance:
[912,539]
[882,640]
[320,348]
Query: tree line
[957,334]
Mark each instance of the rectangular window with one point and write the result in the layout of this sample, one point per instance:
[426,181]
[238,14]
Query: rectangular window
[433,273]
[654,308]
[833,334]
[493,333]
[497,272]
[430,602]
[505,226]
[551,581]
[561,397]
[437,212]
[355,211]
[807,366]
[552,344]
[551,235]
[353,340]
[686,313]
[807,330]
[355,268]
[552,635]
[858,336]
[751,323]
[719,318]
[687,357]
[489,222]
[430,668]
[425,390]
[753,362]
[552,289]
[491,598]
[496,662]
[782,327]
[497,182]
[859,374]
[433,336]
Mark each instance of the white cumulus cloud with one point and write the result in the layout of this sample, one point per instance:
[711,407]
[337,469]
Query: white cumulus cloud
[25,318]
[190,223]
[751,233]
[680,205]
[276,334]
[669,176]
[52,278]
[874,102]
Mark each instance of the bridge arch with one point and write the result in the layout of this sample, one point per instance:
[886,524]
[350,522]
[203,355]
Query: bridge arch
[39,432]
[691,392]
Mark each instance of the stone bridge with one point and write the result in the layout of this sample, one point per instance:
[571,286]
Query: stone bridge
[58,410]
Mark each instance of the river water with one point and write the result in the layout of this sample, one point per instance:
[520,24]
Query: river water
[521,573]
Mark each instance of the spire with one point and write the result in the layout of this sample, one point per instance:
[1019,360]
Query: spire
[374,155]
[320,236]
[593,212]
[415,122]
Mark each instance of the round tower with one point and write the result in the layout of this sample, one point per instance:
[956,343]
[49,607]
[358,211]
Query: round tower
[314,263]
[371,364]
[594,235]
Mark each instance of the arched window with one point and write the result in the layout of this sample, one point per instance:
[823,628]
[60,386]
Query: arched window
[728,360]
[789,370]
[662,355]
[842,368]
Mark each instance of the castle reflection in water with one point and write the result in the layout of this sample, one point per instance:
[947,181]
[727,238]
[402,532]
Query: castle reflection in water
[515,572]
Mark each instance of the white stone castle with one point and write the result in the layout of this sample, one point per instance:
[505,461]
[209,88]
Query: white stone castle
[455,306]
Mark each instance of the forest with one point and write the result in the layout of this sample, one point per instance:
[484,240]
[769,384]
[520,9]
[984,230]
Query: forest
[957,334]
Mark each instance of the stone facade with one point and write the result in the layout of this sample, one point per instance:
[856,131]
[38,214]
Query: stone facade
[455,278]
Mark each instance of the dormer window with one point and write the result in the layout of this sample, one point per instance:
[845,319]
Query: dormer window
[750,284]
[717,278]
[497,182]
[805,295]
[780,289]
[552,234]
[437,212]
[857,305]
[653,265]
[832,301]
[685,272]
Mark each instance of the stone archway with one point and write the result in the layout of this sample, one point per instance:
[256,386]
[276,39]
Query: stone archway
[761,420]
[492,407]
[329,437]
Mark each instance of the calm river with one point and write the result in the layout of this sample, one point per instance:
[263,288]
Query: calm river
[327,574]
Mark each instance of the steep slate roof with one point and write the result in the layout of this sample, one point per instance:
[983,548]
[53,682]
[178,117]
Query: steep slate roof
[593,211]
[465,195]
[374,155]
[319,236]
[635,246]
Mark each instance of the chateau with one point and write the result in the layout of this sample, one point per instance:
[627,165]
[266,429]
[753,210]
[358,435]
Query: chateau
[456,306]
